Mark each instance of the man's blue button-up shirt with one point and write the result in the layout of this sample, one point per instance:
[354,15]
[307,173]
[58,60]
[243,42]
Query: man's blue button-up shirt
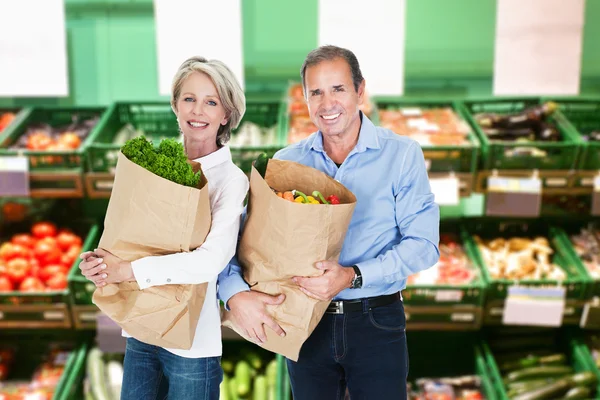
[394,231]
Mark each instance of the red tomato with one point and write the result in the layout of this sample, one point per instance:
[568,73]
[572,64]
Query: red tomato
[47,253]
[51,270]
[39,141]
[24,239]
[34,267]
[17,270]
[8,251]
[31,284]
[43,229]
[70,139]
[57,281]
[5,285]
[66,240]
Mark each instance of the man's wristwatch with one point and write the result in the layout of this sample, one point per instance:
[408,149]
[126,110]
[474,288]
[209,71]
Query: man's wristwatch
[357,281]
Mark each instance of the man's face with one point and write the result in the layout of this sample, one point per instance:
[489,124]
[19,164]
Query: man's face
[332,101]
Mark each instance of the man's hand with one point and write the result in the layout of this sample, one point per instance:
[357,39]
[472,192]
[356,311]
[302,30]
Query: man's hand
[325,287]
[249,313]
[102,267]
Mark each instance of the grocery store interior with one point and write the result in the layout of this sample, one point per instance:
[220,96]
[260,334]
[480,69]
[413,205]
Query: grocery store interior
[502,95]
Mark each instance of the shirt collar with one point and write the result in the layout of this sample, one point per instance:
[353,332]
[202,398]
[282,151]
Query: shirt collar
[213,159]
[367,137]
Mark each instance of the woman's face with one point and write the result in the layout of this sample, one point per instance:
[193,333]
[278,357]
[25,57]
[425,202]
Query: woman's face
[199,110]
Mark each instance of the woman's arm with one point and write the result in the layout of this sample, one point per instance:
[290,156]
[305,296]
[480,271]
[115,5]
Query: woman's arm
[206,262]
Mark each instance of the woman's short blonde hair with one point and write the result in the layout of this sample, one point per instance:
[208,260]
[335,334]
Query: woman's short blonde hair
[228,88]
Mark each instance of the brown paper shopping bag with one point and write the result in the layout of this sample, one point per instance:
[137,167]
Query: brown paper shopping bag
[148,215]
[283,239]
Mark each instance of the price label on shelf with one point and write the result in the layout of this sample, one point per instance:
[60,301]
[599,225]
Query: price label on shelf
[534,306]
[14,176]
[446,190]
[516,197]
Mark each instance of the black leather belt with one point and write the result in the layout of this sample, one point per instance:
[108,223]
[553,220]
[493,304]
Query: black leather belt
[344,306]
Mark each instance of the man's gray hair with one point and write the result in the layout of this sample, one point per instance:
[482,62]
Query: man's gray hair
[330,53]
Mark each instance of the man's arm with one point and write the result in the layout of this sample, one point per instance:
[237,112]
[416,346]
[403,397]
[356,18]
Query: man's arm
[418,218]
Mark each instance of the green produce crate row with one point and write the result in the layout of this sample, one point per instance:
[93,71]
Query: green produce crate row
[98,133]
[249,371]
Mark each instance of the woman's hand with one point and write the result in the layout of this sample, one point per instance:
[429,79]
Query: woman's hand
[103,267]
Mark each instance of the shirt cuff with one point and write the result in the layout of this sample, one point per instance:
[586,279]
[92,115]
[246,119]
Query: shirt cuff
[147,274]
[234,285]
[372,274]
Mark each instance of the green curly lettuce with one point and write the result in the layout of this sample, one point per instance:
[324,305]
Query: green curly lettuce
[167,161]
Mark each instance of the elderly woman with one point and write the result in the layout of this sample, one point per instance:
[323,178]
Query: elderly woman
[208,102]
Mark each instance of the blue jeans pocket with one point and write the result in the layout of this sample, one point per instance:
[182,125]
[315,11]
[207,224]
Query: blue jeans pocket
[389,318]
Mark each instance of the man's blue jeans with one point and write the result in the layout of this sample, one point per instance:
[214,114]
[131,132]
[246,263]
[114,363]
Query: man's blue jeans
[153,373]
[363,350]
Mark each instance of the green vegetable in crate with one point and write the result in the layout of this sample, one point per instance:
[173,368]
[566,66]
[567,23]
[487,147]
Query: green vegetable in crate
[271,373]
[538,372]
[168,160]
[533,360]
[224,388]
[560,387]
[227,366]
[243,375]
[96,371]
[260,388]
[233,389]
[579,392]
[254,360]
[114,371]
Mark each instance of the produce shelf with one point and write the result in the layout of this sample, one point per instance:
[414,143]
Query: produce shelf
[582,116]
[42,365]
[48,308]
[451,294]
[54,140]
[510,352]
[458,359]
[567,273]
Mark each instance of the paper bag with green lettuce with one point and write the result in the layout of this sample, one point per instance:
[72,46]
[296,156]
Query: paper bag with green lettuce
[150,215]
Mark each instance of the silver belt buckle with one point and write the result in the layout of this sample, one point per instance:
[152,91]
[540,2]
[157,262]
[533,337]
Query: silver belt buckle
[338,307]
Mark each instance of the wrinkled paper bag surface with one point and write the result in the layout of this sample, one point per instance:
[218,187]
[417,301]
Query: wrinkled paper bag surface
[148,215]
[282,239]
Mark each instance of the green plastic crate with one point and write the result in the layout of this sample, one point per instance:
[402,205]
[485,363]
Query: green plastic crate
[577,285]
[583,117]
[72,160]
[548,341]
[31,350]
[43,309]
[71,388]
[457,354]
[436,306]
[284,391]
[265,114]
[562,155]
[562,235]
[155,119]
[20,114]
[451,158]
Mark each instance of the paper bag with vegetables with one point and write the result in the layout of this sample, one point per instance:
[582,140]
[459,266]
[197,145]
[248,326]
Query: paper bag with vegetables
[288,229]
[159,205]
